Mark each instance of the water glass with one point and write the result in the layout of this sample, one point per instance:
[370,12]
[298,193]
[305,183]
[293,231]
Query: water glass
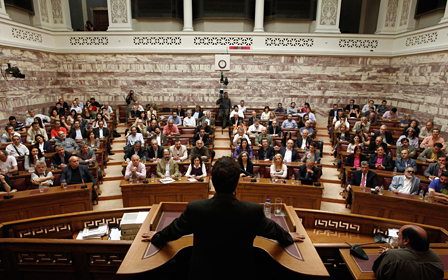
[278,206]
[63,183]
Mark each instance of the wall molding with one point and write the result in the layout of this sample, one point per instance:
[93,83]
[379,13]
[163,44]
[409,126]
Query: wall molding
[431,39]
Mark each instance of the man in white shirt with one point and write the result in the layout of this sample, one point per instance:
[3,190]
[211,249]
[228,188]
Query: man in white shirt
[312,117]
[236,115]
[407,183]
[134,136]
[342,120]
[367,107]
[7,163]
[41,175]
[189,121]
[107,107]
[135,169]
[139,107]
[30,119]
[35,130]
[76,107]
[255,128]
[241,107]
[178,151]
[239,136]
[16,149]
[9,133]
[80,104]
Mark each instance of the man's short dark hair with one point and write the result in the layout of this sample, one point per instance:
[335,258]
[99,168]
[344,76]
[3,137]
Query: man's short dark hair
[57,121]
[201,129]
[438,145]
[444,174]
[34,123]
[435,128]
[11,118]
[416,242]
[279,104]
[225,175]
[177,140]
[394,110]
[92,98]
[404,140]
[58,103]
[383,101]
[353,100]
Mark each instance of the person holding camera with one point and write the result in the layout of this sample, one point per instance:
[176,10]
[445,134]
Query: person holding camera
[130,100]
[224,108]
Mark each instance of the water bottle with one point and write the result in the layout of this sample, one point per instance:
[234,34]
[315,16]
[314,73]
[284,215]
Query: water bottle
[144,160]
[395,171]
[267,208]
[130,179]
[427,196]
[293,179]
[381,190]
[52,166]
[152,177]
[258,177]
[41,187]
[420,195]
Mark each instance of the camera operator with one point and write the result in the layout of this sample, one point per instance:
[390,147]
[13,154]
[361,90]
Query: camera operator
[130,100]
[224,107]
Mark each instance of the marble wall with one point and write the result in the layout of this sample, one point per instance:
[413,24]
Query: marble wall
[415,84]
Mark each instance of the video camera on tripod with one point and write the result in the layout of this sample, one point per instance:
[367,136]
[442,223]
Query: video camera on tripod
[223,81]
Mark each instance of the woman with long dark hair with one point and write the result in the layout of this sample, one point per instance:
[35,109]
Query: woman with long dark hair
[243,147]
[34,156]
[196,169]
[247,168]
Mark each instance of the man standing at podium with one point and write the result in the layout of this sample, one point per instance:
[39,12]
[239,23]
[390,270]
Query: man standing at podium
[224,229]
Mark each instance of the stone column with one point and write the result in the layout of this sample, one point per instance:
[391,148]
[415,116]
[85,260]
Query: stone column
[396,16]
[327,16]
[42,14]
[120,17]
[259,16]
[60,11]
[188,15]
[445,16]
[3,13]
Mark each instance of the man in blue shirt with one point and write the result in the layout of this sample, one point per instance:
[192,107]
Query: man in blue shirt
[176,119]
[439,187]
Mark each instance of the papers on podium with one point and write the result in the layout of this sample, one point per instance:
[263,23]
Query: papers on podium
[131,223]
[93,232]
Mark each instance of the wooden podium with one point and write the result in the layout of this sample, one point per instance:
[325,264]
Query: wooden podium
[300,257]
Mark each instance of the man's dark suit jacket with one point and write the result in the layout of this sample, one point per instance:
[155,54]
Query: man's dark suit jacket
[302,173]
[331,114]
[268,154]
[200,113]
[57,159]
[150,129]
[351,160]
[277,130]
[300,139]
[251,121]
[295,154]
[224,229]
[388,162]
[83,171]
[205,139]
[207,129]
[84,124]
[389,138]
[47,147]
[72,133]
[180,113]
[150,152]
[130,151]
[372,147]
[371,182]
[347,108]
[106,133]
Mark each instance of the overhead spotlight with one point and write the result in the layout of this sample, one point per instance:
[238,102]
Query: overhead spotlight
[14,71]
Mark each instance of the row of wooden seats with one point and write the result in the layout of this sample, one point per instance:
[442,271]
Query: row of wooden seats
[22,181]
